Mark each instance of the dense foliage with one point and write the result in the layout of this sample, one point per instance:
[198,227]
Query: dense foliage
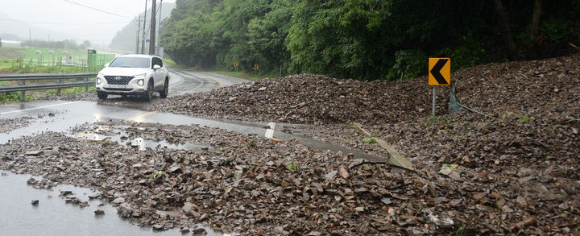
[366,39]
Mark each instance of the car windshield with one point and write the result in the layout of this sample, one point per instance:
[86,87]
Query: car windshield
[131,62]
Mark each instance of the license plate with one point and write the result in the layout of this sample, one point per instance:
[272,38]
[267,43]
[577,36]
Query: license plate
[117,86]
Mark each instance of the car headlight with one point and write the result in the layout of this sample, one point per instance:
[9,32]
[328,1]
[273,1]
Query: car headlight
[100,78]
[140,79]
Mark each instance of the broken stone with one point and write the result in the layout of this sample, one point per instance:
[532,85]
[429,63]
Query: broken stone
[33,153]
[175,169]
[119,200]
[199,231]
[524,223]
[386,201]
[331,175]
[448,169]
[99,212]
[158,227]
[35,202]
[479,196]
[314,233]
[442,222]
[188,207]
[344,173]
[521,201]
[184,230]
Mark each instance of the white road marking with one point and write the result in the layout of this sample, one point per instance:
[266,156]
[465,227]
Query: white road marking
[36,108]
[270,131]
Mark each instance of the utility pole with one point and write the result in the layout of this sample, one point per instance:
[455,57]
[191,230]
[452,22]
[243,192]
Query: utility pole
[153,25]
[159,23]
[144,23]
[138,31]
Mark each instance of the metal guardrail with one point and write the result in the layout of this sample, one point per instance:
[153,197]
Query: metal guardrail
[22,86]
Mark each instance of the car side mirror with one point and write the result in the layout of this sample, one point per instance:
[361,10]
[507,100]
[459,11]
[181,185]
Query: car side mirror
[155,67]
[106,65]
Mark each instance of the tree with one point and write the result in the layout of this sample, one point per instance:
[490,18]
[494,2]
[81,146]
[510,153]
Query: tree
[366,39]
[86,44]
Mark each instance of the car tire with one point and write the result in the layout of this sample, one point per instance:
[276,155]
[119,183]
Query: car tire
[165,91]
[102,95]
[149,93]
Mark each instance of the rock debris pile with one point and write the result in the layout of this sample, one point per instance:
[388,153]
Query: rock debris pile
[7,125]
[240,183]
[306,99]
[532,87]
[509,167]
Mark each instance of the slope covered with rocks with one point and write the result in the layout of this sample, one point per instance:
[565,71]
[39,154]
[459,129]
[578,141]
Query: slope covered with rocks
[528,88]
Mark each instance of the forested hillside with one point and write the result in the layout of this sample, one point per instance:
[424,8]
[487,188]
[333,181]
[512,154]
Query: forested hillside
[125,39]
[367,39]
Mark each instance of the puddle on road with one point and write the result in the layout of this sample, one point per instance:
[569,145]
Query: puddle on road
[53,216]
[134,137]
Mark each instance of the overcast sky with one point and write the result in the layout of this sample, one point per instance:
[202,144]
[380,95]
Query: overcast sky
[68,17]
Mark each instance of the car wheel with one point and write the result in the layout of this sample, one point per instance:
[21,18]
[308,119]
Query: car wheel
[102,95]
[149,93]
[165,91]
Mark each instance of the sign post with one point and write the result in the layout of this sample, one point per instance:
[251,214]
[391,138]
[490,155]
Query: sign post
[439,75]
[434,99]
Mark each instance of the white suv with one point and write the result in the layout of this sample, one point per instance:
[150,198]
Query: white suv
[133,75]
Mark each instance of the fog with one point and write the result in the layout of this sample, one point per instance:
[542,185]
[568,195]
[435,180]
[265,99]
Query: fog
[97,21]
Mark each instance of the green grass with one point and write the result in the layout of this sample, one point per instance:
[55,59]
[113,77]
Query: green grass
[17,66]
[33,95]
[369,140]
[74,90]
[524,119]
[157,174]
[9,52]
[460,230]
[292,166]
[169,62]
[13,97]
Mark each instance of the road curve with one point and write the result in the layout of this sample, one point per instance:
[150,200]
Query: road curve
[183,82]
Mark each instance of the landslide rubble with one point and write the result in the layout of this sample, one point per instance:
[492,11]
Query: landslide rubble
[548,87]
[244,184]
[509,166]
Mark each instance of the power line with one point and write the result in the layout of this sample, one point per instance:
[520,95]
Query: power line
[61,23]
[95,9]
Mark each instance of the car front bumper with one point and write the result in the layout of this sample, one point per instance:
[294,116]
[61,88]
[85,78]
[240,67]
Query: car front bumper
[122,91]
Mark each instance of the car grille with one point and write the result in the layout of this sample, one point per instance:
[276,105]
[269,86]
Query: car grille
[122,80]
[119,89]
